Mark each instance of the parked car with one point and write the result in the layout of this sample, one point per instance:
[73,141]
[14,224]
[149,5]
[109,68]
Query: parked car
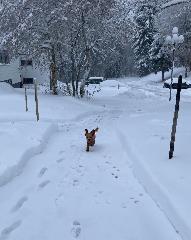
[95,80]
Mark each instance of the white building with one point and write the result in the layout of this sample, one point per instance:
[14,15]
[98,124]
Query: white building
[20,71]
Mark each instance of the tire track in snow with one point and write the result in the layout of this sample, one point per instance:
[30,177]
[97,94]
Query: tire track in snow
[141,174]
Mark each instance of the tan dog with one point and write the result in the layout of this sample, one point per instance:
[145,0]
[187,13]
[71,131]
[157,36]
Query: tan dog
[90,137]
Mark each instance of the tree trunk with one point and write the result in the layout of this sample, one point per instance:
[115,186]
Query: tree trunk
[53,79]
[53,84]
[50,79]
[73,72]
[73,88]
[77,86]
[163,75]
[73,81]
[68,88]
[186,72]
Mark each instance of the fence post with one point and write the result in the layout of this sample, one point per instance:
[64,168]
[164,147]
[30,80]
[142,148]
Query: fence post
[175,119]
[36,99]
[26,100]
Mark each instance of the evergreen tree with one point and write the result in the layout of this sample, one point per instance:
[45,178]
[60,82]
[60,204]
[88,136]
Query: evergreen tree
[159,56]
[144,36]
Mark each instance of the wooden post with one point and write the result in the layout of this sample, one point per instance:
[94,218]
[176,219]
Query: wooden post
[26,100]
[36,99]
[175,119]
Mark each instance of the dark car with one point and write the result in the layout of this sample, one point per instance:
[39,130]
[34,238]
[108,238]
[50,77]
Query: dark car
[94,80]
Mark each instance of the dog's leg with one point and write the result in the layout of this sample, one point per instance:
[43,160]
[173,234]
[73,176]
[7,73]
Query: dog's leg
[88,148]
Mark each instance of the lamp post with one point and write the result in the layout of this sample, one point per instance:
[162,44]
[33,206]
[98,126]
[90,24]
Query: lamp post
[173,41]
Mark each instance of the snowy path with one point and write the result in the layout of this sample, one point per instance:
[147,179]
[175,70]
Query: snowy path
[66,193]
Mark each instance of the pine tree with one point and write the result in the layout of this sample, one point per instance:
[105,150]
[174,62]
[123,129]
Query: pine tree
[144,36]
[159,56]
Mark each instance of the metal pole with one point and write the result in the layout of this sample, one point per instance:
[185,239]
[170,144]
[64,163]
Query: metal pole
[175,119]
[172,70]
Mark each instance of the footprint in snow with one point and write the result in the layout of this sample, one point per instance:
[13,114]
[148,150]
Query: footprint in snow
[124,205]
[134,200]
[76,229]
[42,171]
[19,204]
[43,184]
[75,182]
[73,146]
[8,230]
[163,138]
[60,160]
[61,152]
[114,175]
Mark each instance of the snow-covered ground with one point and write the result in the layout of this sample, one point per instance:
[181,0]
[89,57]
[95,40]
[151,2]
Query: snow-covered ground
[125,188]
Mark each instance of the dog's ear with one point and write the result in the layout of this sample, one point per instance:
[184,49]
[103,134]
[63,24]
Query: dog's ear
[93,132]
[96,130]
[86,132]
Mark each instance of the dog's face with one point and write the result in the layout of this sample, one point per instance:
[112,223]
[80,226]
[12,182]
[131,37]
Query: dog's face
[90,136]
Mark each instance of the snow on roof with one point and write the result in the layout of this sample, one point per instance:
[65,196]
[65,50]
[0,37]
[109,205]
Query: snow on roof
[6,88]
[96,78]
[112,83]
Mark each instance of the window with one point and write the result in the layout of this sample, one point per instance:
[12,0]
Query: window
[27,80]
[4,57]
[26,62]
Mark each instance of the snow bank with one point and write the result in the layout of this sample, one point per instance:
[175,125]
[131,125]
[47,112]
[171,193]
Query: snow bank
[19,142]
[112,83]
[51,108]
[175,80]
[6,88]
[107,88]
[158,77]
